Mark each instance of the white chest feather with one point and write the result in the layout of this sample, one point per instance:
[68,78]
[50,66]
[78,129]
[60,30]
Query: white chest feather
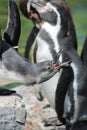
[44,53]
[53,33]
[7,77]
[43,50]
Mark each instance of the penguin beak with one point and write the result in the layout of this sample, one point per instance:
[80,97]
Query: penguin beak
[56,66]
[43,11]
[61,65]
[40,6]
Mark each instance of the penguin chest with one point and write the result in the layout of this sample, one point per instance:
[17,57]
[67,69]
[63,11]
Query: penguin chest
[41,51]
[49,89]
[45,48]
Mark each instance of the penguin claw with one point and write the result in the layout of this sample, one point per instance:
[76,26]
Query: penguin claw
[7,92]
[64,64]
[57,64]
[46,106]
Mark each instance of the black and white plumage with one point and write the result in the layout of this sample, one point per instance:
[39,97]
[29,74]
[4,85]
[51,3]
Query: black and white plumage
[76,98]
[25,7]
[14,67]
[13,29]
[11,34]
[77,94]
[53,25]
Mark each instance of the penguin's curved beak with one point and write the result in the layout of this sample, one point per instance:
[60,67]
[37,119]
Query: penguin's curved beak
[44,11]
[40,6]
[64,63]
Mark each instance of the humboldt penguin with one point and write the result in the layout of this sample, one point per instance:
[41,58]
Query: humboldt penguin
[14,67]
[11,33]
[25,7]
[76,98]
[53,25]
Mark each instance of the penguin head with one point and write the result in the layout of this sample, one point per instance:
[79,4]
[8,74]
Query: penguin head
[44,10]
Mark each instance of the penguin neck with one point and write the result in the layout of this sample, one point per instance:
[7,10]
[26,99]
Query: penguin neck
[52,30]
[52,27]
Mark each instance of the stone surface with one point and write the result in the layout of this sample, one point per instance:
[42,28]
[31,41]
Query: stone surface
[35,112]
[12,113]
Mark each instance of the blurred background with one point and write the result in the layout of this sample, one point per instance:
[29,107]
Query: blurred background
[78,10]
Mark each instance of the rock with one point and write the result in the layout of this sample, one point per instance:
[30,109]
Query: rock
[12,113]
[36,112]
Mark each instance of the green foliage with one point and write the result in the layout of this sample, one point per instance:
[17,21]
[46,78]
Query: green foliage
[77,3]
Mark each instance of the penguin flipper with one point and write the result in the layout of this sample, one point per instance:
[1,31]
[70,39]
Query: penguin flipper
[5,92]
[13,29]
[30,41]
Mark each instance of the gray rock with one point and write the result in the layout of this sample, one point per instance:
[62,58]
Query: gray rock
[12,113]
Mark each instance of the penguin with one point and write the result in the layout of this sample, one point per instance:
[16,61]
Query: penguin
[30,40]
[53,25]
[11,33]
[76,98]
[24,7]
[14,67]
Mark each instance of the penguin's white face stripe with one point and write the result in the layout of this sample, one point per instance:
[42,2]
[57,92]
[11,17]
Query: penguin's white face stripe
[53,32]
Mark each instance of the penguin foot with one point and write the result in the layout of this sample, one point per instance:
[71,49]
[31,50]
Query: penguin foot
[6,92]
[46,106]
[68,124]
[52,122]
